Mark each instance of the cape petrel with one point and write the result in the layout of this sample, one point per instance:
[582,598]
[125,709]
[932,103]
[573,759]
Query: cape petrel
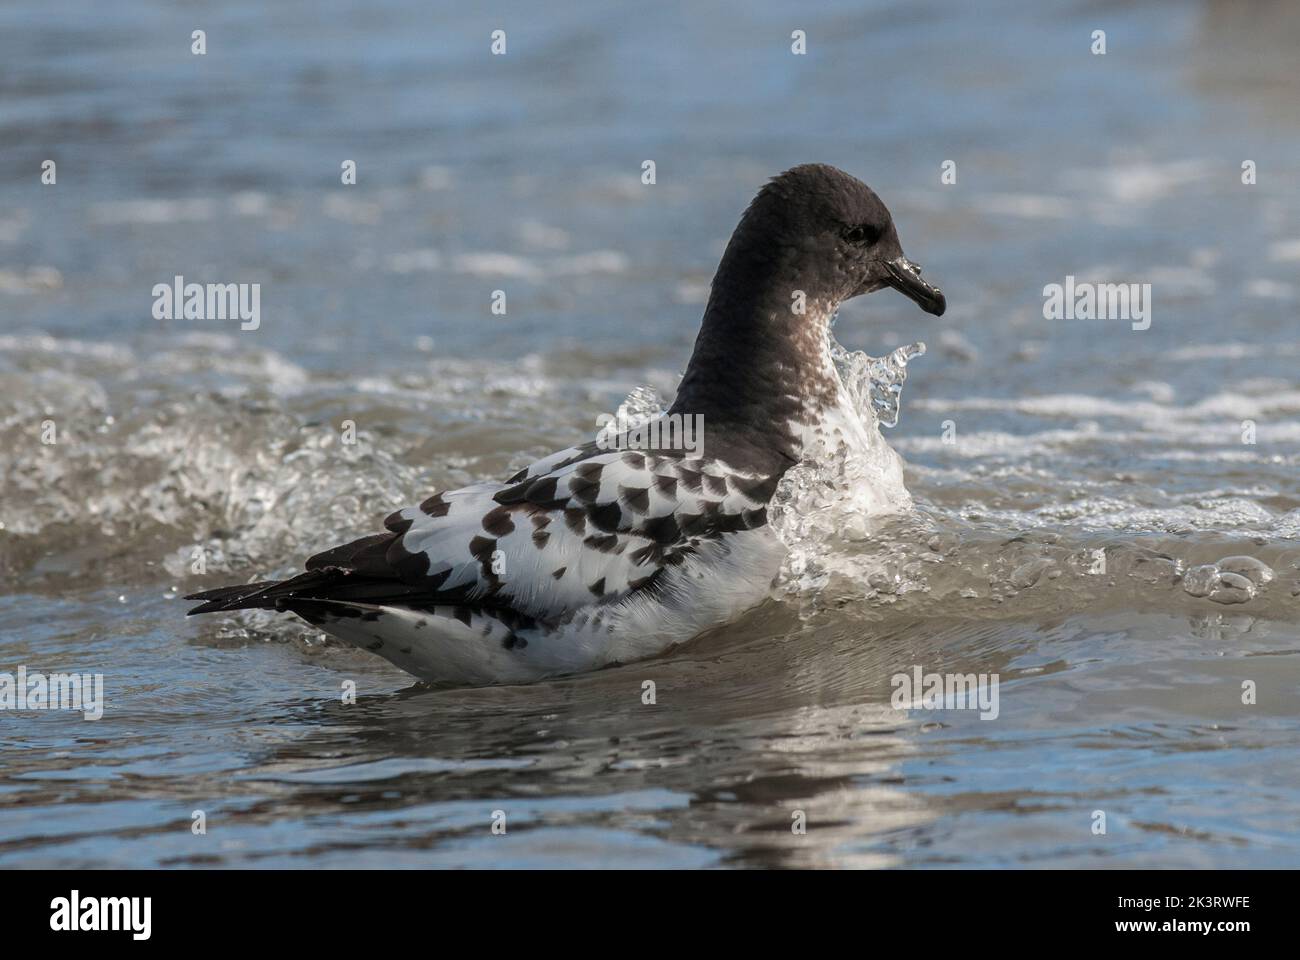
[599,554]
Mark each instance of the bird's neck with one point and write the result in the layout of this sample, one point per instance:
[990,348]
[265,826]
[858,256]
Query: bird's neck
[761,373]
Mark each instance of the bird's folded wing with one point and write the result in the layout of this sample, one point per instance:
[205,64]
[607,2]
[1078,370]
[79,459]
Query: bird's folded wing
[581,526]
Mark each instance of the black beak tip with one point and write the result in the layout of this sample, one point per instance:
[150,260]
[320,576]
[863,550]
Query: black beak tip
[905,277]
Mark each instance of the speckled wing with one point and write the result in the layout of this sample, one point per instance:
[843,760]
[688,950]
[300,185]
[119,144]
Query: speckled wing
[581,526]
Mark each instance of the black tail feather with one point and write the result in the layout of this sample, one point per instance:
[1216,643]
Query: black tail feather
[265,594]
[223,598]
[329,583]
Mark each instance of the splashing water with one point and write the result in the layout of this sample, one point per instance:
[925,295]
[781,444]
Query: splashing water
[875,383]
[642,405]
[852,533]
[838,494]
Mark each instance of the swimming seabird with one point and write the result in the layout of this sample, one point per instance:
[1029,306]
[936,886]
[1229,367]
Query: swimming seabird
[600,554]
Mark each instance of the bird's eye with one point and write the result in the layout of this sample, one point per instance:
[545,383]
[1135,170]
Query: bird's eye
[861,235]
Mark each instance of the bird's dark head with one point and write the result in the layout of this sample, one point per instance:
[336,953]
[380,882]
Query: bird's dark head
[827,235]
[812,238]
